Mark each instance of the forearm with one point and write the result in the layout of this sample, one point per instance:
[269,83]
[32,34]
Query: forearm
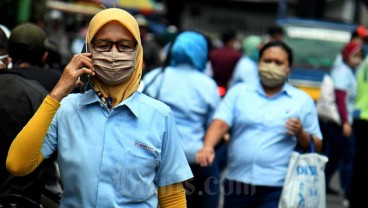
[25,152]
[215,133]
[172,196]
[341,105]
[304,141]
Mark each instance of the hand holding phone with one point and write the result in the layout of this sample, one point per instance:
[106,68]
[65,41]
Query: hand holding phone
[70,78]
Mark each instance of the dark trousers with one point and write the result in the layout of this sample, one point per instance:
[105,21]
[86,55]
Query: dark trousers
[203,191]
[340,152]
[241,195]
[360,168]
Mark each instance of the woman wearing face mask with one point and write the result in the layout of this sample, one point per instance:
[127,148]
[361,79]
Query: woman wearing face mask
[193,107]
[266,121]
[116,146]
[339,138]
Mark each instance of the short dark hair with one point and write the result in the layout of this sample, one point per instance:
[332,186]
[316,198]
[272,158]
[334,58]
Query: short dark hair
[280,44]
[228,35]
[275,30]
[23,53]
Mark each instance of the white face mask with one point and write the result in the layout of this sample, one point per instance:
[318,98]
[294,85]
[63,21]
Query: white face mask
[272,75]
[114,67]
[4,56]
[4,64]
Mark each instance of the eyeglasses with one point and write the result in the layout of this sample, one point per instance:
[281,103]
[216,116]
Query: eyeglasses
[121,45]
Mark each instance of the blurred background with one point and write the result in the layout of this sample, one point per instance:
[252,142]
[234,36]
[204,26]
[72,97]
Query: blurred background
[68,18]
[315,29]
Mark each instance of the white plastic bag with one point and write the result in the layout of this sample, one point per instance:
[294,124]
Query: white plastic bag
[326,104]
[304,185]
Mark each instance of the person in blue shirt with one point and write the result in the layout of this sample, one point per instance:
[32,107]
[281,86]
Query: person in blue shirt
[193,96]
[339,143]
[116,147]
[267,121]
[246,70]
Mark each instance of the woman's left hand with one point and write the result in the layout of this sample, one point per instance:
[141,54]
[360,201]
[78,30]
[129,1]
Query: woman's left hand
[346,130]
[294,126]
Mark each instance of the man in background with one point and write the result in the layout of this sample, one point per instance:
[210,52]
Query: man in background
[28,46]
[224,59]
[19,99]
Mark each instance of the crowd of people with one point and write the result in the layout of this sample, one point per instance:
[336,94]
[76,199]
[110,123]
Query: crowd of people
[343,141]
[168,126]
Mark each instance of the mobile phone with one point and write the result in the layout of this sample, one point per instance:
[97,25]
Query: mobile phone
[85,78]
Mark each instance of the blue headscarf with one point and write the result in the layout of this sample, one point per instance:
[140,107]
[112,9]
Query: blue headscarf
[190,48]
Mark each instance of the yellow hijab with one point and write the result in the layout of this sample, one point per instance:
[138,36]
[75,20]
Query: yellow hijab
[120,92]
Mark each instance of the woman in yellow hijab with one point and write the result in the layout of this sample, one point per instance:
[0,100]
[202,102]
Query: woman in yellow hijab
[116,147]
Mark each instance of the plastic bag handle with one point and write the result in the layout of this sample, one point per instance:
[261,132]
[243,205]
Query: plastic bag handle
[311,144]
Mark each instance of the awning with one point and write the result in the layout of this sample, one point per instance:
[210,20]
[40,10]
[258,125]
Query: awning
[139,6]
[143,6]
[80,8]
[91,7]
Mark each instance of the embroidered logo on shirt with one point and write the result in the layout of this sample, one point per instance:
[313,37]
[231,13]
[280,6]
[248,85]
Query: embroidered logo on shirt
[144,146]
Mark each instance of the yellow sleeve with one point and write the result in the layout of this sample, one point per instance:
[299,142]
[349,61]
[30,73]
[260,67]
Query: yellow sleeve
[172,196]
[25,152]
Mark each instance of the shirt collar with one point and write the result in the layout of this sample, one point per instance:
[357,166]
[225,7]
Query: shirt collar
[131,103]
[287,89]
[90,97]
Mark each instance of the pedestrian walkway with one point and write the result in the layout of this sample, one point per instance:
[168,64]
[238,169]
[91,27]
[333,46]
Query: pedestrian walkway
[335,201]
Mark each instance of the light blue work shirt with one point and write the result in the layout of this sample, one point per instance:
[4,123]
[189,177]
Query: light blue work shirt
[193,98]
[260,147]
[246,71]
[344,79]
[117,158]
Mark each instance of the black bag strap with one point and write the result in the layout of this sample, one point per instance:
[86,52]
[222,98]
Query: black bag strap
[17,201]
[161,72]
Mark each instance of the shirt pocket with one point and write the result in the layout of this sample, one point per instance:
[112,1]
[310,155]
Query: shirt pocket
[136,181]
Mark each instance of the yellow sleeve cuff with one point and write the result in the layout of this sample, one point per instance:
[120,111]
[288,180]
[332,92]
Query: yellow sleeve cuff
[172,196]
[25,152]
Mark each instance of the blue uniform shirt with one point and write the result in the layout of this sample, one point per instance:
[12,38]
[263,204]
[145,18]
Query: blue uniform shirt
[193,102]
[246,71]
[117,158]
[260,147]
